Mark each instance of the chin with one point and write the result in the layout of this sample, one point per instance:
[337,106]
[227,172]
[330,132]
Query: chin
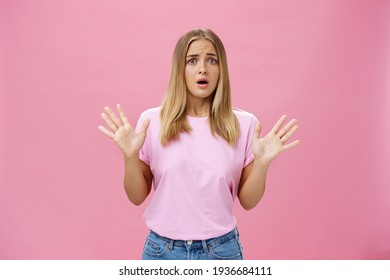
[202,94]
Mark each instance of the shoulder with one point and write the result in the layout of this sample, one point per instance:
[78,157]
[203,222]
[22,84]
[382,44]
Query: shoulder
[244,117]
[247,123]
[151,113]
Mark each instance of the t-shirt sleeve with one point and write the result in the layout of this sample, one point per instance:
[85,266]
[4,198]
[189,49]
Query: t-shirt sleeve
[248,150]
[144,153]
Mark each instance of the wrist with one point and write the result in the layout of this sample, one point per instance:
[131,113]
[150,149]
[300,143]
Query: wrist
[261,162]
[130,157]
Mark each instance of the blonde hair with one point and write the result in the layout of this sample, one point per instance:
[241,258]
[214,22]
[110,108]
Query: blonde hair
[222,120]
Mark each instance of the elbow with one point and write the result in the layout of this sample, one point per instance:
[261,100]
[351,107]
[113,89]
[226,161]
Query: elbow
[136,201]
[248,207]
[136,197]
[249,204]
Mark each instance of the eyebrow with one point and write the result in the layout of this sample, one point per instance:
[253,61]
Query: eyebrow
[194,55]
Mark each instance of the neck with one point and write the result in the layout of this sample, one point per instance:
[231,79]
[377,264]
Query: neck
[198,107]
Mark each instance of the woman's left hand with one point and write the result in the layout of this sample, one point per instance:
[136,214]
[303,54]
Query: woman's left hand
[266,149]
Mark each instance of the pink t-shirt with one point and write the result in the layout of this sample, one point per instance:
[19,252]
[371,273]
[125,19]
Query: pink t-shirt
[195,177]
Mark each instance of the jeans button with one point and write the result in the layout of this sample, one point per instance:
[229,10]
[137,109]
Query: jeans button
[189,242]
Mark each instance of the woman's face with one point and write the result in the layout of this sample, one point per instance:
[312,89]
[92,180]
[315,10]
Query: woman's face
[202,69]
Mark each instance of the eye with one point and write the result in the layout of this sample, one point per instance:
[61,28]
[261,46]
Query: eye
[191,61]
[212,61]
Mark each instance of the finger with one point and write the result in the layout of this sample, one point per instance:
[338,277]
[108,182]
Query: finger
[291,145]
[122,115]
[257,132]
[145,126]
[113,116]
[109,122]
[286,128]
[278,124]
[106,131]
[289,134]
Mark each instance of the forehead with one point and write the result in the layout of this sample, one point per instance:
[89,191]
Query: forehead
[201,45]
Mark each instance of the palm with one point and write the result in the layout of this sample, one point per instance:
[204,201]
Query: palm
[128,140]
[270,146]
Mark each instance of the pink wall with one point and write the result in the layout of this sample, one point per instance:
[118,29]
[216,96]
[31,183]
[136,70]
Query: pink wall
[324,62]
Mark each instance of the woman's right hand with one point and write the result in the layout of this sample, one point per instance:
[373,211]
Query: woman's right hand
[128,140]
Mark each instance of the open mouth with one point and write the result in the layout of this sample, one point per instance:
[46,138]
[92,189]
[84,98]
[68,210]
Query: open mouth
[202,82]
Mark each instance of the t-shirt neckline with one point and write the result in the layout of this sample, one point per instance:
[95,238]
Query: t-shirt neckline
[197,118]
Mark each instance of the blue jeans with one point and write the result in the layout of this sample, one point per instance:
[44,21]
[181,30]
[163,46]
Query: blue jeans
[225,247]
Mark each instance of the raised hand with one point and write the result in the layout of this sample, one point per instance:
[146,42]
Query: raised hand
[266,149]
[128,140]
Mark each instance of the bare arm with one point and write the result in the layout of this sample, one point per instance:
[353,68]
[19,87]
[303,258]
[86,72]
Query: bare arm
[137,180]
[252,184]
[265,150]
[138,176]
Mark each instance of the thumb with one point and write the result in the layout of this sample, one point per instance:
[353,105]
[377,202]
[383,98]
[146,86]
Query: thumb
[145,126]
[257,132]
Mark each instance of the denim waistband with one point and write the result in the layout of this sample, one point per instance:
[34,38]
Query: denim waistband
[200,243]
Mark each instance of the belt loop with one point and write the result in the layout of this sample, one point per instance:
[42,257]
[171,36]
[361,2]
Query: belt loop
[236,232]
[205,247]
[171,244]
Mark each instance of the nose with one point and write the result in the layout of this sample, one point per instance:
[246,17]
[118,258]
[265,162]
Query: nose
[202,67]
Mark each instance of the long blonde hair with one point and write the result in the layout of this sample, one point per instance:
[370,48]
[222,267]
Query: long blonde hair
[222,120]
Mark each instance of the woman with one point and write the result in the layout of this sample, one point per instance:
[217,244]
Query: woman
[199,153]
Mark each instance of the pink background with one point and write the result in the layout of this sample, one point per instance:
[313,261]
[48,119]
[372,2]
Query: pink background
[324,62]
